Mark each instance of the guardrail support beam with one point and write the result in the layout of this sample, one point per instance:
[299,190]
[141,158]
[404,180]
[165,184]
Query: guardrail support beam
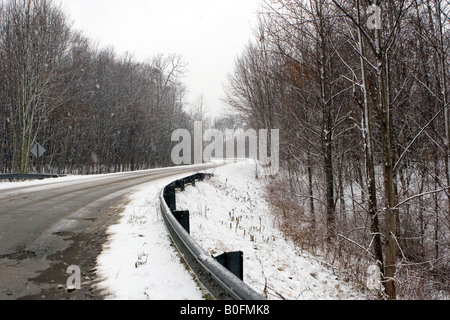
[26,176]
[224,280]
[169,197]
[183,218]
[234,262]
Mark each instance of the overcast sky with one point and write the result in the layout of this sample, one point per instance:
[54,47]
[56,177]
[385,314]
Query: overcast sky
[209,34]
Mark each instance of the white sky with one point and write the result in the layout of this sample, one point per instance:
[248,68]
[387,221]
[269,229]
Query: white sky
[209,34]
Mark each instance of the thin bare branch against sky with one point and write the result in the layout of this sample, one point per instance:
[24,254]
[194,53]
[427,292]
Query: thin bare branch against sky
[209,34]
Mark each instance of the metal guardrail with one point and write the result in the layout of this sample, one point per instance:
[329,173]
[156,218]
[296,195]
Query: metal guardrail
[28,176]
[221,283]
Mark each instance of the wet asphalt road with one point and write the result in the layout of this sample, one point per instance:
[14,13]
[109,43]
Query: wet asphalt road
[50,226]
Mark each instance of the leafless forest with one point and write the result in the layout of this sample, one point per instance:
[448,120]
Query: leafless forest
[360,92]
[92,110]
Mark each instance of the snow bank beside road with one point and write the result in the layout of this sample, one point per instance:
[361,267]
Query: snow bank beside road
[139,262]
[229,213]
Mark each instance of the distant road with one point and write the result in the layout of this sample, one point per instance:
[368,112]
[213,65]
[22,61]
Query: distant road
[47,227]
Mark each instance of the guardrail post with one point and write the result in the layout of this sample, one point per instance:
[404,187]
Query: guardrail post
[234,262]
[180,185]
[191,180]
[183,218]
[169,197]
[222,276]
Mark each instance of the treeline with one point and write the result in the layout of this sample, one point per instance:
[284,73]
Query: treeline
[92,110]
[360,92]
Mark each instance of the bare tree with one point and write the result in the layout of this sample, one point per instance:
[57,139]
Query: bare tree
[34,40]
[344,90]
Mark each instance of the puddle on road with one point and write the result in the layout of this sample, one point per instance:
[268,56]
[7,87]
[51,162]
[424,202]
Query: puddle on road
[15,275]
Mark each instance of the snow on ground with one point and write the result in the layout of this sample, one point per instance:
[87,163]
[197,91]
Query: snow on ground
[6,185]
[228,213]
[139,261]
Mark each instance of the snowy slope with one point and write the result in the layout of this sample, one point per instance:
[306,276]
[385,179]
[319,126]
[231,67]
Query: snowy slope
[139,261]
[228,213]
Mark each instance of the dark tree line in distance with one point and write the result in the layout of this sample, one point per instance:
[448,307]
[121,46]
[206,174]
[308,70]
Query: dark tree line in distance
[92,110]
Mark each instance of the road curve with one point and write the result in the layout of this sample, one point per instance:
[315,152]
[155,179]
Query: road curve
[47,227]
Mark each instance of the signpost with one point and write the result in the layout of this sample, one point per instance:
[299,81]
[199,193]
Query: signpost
[38,150]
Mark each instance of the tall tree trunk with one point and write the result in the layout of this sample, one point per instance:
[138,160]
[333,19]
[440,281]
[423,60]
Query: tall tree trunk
[311,190]
[370,164]
[388,172]
[444,82]
[327,132]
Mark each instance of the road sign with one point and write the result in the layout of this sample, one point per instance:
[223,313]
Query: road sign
[38,150]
